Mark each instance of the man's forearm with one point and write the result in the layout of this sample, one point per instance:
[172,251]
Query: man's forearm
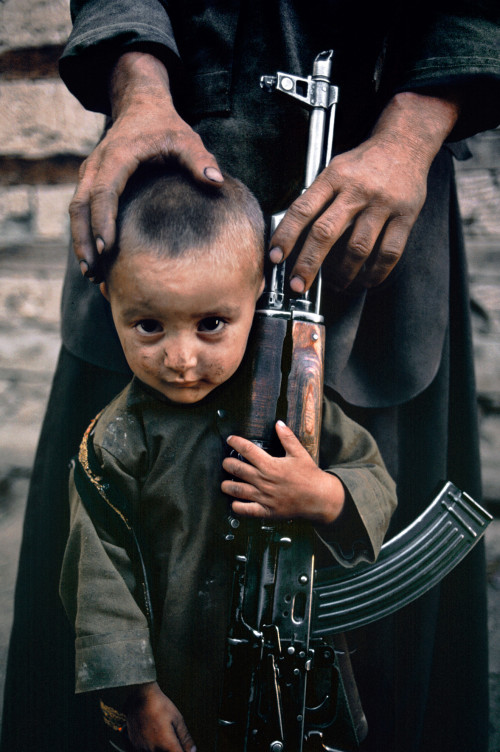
[137,78]
[420,121]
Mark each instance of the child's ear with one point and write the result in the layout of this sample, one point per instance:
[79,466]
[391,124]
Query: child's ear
[104,289]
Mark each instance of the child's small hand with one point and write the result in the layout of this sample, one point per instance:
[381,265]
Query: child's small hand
[154,724]
[281,487]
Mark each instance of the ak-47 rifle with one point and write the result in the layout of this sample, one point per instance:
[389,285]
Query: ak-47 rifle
[282,610]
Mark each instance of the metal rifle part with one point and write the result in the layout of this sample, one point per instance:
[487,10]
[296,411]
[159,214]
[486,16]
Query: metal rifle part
[268,654]
[263,698]
[283,567]
[317,93]
[408,565]
[321,96]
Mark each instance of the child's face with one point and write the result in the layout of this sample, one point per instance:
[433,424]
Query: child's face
[183,323]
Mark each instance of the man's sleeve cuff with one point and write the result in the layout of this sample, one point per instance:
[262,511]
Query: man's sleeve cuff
[114,660]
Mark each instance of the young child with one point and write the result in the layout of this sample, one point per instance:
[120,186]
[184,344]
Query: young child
[150,491]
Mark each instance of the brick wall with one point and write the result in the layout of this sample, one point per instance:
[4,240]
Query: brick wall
[478,182]
[44,132]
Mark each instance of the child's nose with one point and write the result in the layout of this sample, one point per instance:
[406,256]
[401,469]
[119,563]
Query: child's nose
[180,356]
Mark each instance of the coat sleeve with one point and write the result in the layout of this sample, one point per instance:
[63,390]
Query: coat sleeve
[113,646]
[351,453]
[427,47]
[105,29]
[450,45]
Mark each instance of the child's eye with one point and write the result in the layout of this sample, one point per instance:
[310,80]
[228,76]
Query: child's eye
[148,326]
[211,324]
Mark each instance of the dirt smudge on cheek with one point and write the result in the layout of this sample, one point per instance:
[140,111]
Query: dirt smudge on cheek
[148,364]
[216,370]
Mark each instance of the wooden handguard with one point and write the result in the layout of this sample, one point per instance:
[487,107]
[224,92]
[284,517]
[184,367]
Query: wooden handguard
[264,362]
[285,372]
[305,384]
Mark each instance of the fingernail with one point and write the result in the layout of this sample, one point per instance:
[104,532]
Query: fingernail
[212,173]
[84,268]
[276,255]
[229,438]
[280,423]
[99,244]
[297,284]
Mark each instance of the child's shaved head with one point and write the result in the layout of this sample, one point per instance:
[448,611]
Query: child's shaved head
[184,279]
[166,211]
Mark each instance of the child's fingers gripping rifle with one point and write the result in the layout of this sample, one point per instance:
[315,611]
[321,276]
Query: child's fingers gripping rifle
[269,654]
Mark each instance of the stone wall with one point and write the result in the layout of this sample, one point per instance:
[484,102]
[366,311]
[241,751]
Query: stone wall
[44,132]
[478,182]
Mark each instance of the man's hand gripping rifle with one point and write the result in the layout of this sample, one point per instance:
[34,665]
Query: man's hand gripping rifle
[281,609]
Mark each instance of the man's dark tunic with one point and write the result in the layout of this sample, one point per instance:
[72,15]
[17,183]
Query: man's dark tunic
[399,357]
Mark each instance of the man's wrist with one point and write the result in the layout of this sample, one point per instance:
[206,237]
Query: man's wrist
[137,77]
[122,699]
[420,121]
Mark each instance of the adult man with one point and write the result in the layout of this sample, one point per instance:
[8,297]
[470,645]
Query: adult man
[398,355]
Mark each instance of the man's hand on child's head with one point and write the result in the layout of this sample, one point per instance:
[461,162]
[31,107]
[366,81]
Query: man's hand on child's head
[154,724]
[281,487]
[145,126]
